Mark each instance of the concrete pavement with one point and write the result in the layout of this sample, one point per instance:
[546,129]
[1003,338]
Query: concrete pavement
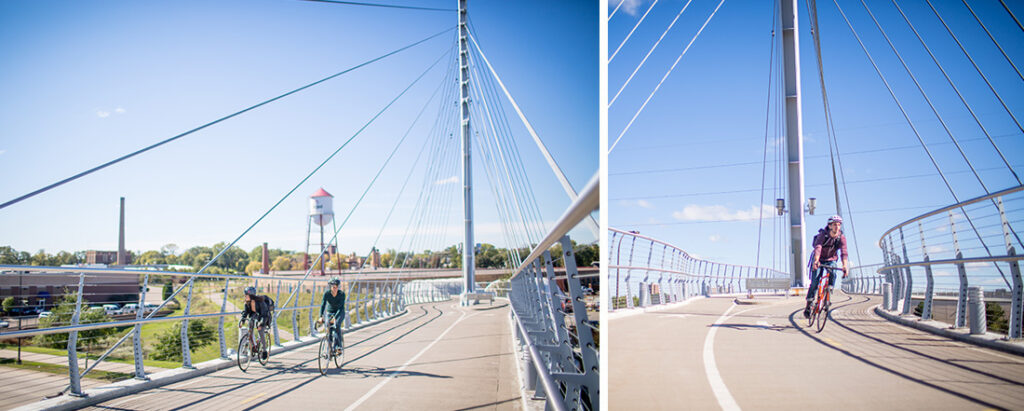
[439,356]
[763,356]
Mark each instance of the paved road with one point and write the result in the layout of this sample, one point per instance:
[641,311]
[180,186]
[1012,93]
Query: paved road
[438,356]
[762,356]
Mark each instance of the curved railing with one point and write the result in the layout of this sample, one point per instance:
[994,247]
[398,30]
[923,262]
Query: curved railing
[553,329]
[644,271]
[75,299]
[864,279]
[973,243]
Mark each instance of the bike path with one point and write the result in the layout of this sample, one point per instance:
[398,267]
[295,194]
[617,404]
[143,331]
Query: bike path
[438,356]
[765,357]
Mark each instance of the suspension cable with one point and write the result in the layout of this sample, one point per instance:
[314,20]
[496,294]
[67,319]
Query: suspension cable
[655,46]
[616,9]
[957,90]
[1021,27]
[630,124]
[767,117]
[623,43]
[391,6]
[250,108]
[976,68]
[912,127]
[980,23]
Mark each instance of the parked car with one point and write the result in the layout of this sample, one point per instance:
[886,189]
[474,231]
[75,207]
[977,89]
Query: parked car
[97,308]
[129,309]
[44,314]
[150,307]
[4,324]
[111,309]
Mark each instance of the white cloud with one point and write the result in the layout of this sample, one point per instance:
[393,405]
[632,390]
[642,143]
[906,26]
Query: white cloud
[102,114]
[629,7]
[695,212]
[119,110]
[644,204]
[714,238]
[449,180]
[3,151]
[936,249]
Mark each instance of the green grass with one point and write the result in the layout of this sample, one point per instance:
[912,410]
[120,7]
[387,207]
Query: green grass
[63,370]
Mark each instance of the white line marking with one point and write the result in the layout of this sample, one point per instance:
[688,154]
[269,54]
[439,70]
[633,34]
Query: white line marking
[725,399]
[402,368]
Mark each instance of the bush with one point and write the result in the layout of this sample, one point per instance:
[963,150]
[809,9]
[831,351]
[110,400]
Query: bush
[61,315]
[168,290]
[8,304]
[168,346]
[996,318]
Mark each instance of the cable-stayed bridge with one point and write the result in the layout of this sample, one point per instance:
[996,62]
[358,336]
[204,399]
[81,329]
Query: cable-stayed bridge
[419,332]
[912,141]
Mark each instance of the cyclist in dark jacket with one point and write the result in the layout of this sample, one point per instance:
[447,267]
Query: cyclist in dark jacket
[829,245]
[260,307]
[333,306]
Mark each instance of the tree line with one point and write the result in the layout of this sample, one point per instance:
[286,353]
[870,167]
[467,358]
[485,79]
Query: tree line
[235,260]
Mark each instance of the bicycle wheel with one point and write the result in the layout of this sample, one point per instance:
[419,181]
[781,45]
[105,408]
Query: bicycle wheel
[324,355]
[340,358]
[810,317]
[823,311]
[264,347]
[243,354]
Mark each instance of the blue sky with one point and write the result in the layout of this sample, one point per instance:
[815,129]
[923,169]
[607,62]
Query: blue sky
[85,82]
[707,122]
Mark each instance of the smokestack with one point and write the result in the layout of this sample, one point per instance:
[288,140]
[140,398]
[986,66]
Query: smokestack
[266,260]
[122,256]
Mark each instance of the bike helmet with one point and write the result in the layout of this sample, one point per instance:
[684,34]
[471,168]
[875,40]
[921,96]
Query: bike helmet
[334,281]
[835,219]
[250,291]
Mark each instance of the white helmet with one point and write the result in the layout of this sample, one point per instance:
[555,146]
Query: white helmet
[835,219]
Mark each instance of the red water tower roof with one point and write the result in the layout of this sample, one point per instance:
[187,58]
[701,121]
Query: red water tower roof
[321,193]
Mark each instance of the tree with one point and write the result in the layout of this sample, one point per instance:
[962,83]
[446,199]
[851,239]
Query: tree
[996,317]
[168,346]
[253,267]
[8,304]
[169,249]
[61,315]
[587,254]
[167,290]
[281,263]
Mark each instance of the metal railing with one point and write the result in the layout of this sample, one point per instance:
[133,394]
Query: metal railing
[969,244]
[643,271]
[556,336]
[864,280]
[74,299]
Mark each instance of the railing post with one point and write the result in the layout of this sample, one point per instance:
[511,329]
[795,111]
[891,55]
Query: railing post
[73,374]
[273,320]
[295,313]
[140,369]
[312,305]
[588,350]
[1018,286]
[186,352]
[220,321]
[348,300]
[629,275]
[929,291]
[907,299]
[887,296]
[961,300]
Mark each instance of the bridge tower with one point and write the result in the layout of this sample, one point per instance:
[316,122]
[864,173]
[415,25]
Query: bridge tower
[468,262]
[794,138]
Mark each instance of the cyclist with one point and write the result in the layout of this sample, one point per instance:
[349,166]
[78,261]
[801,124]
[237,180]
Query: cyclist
[260,307]
[334,303]
[828,244]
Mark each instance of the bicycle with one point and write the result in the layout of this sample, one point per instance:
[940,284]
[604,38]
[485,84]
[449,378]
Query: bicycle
[326,354]
[248,342]
[822,300]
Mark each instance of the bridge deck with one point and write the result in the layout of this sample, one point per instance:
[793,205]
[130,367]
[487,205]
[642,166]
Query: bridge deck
[764,357]
[438,356]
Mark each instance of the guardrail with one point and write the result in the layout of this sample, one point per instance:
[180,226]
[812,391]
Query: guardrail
[553,330]
[864,280]
[71,293]
[643,271]
[969,244]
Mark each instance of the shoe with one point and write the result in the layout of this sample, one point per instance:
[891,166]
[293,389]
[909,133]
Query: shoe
[264,355]
[807,310]
[337,351]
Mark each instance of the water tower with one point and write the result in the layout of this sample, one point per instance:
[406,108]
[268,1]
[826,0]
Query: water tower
[321,213]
